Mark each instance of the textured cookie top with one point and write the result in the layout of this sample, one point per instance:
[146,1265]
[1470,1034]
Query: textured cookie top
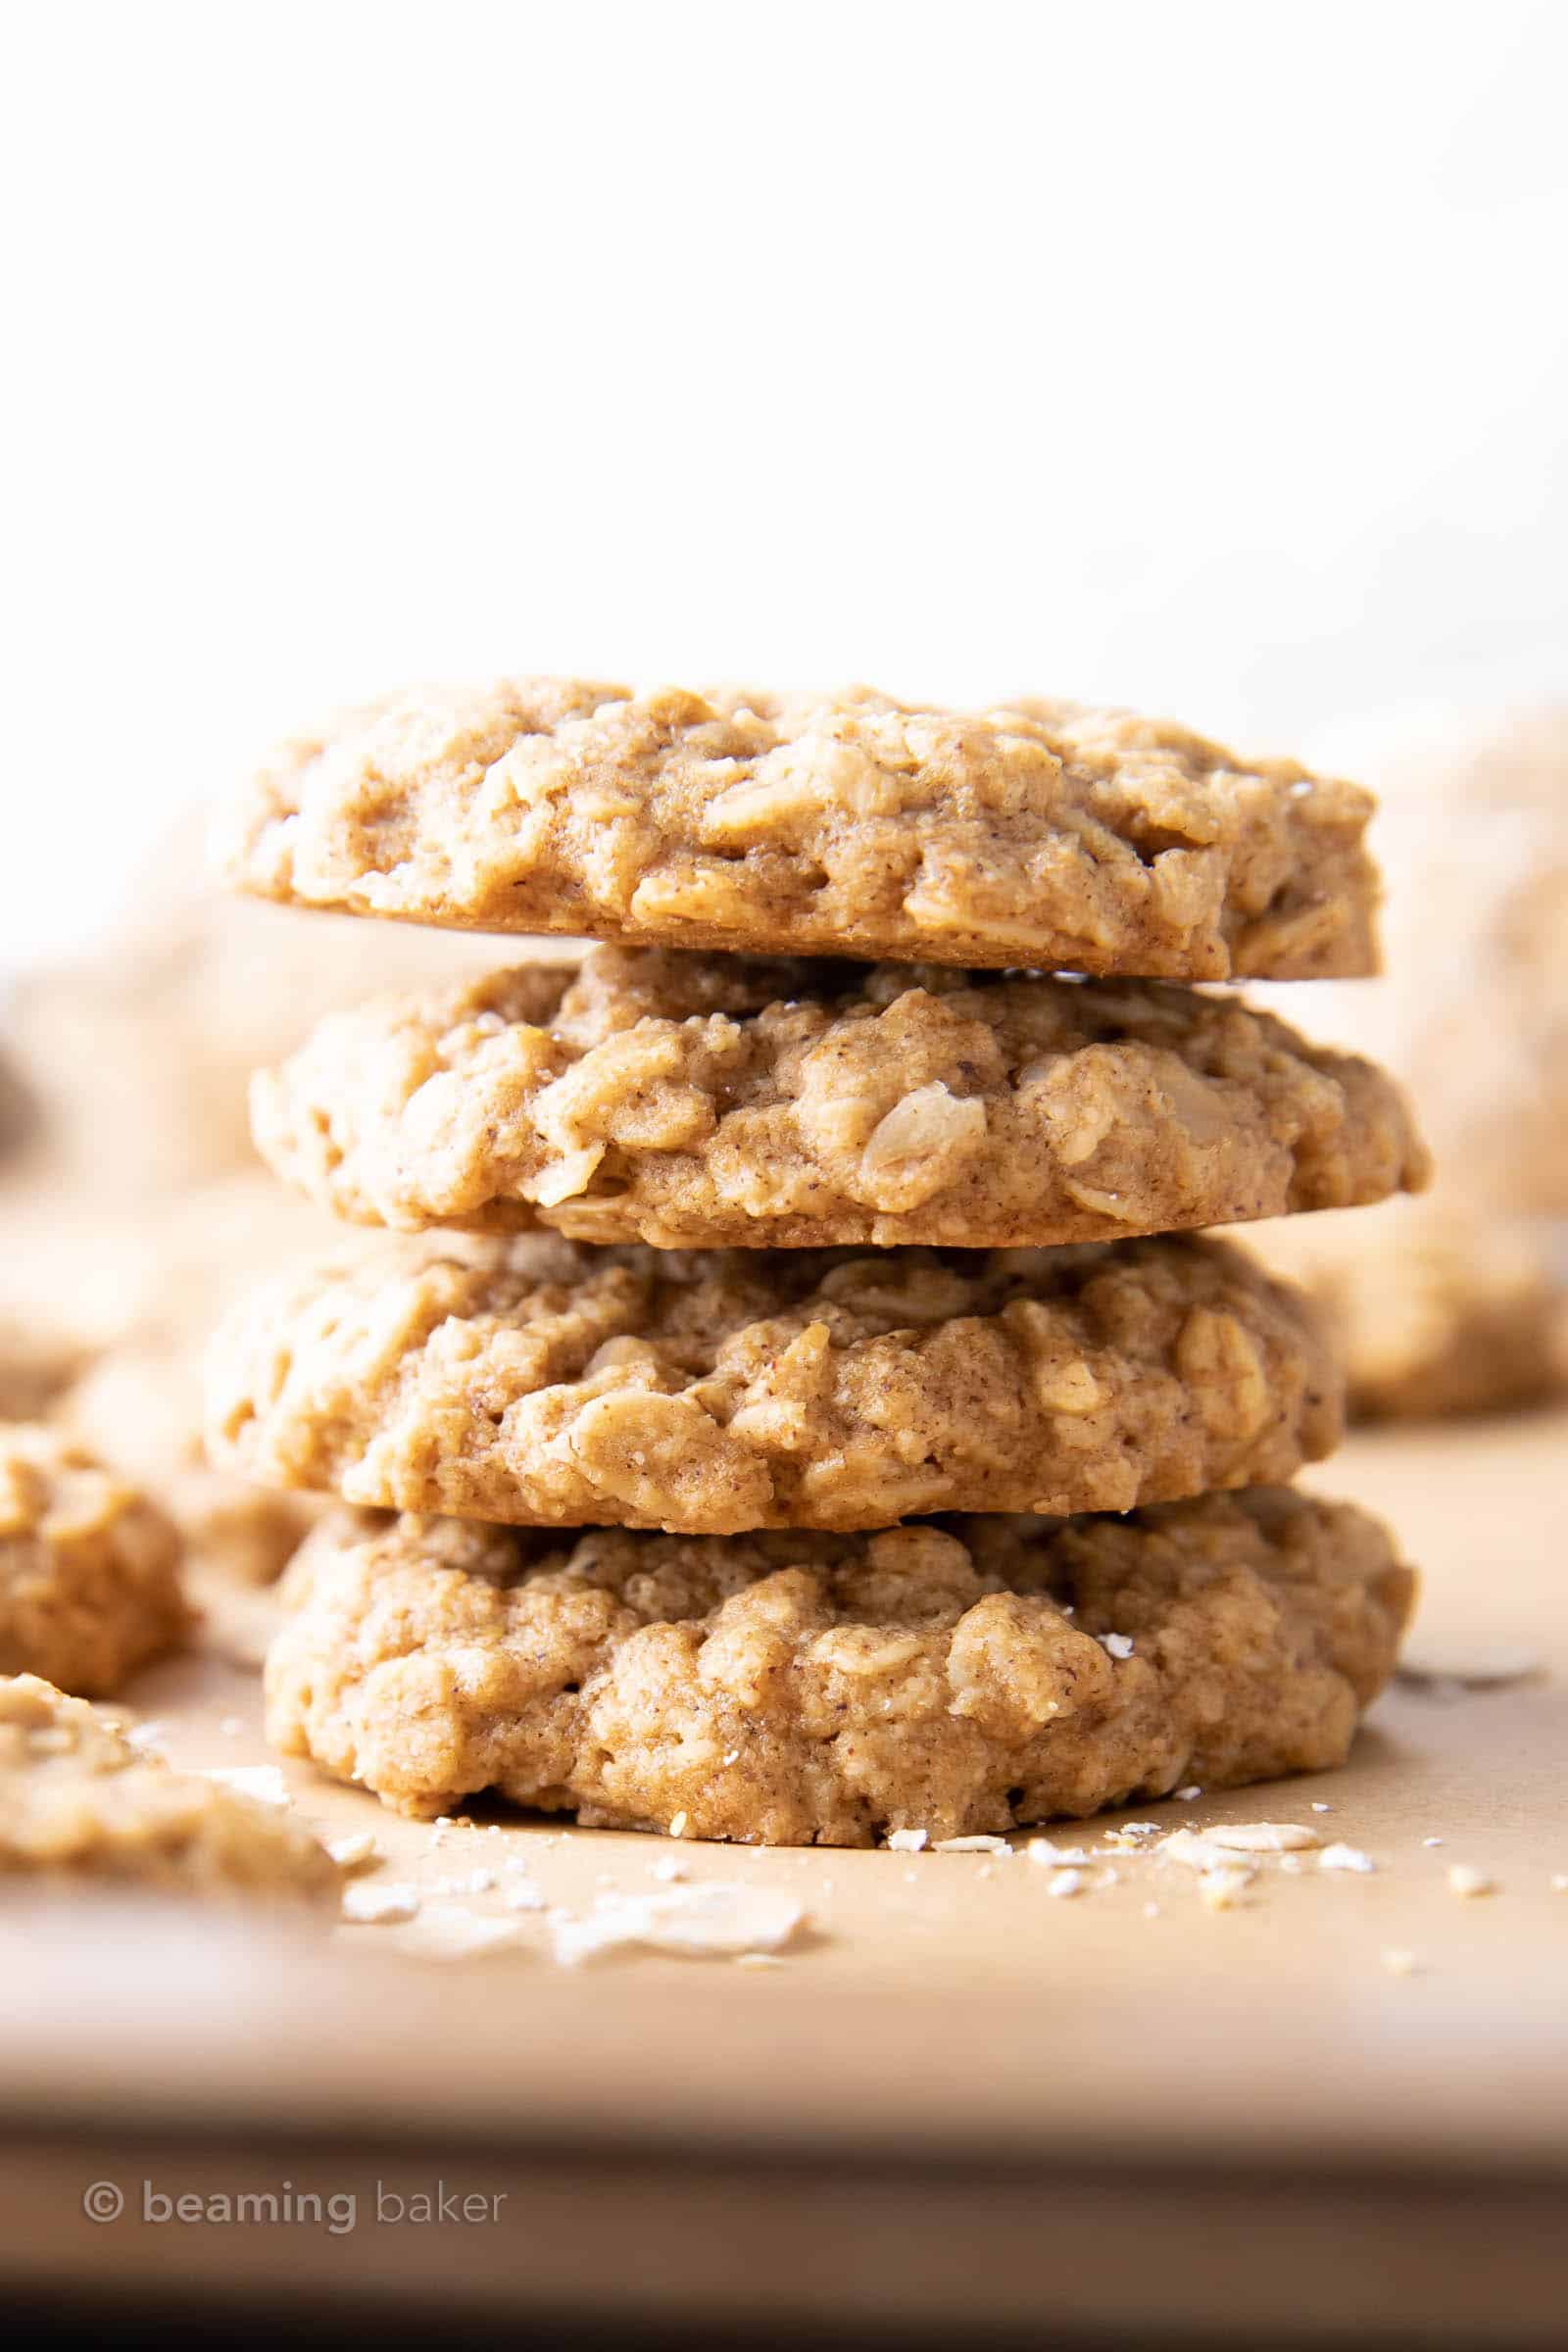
[74,1795]
[537,1380]
[1043,834]
[789,1687]
[89,1569]
[699,1101]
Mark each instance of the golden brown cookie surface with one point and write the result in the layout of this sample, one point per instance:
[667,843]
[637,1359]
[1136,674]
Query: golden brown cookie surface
[698,1102]
[1043,834]
[540,1381]
[792,1688]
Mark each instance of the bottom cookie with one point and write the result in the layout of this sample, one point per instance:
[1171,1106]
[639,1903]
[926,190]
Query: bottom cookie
[785,1688]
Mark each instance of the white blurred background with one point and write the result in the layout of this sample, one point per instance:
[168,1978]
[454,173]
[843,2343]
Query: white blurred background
[1210,358]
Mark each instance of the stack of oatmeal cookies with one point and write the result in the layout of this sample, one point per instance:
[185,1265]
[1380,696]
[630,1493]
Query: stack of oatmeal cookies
[799,1406]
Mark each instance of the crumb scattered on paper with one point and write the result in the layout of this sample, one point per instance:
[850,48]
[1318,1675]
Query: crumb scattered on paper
[1263,1836]
[1346,1857]
[717,1920]
[263,1782]
[354,1852]
[378,1906]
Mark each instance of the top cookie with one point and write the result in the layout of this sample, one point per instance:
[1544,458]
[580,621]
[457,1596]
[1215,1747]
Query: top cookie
[1043,835]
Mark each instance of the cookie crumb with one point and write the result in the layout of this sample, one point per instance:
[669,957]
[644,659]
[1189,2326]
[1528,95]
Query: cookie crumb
[1262,1837]
[263,1782]
[1151,1910]
[447,1931]
[357,1851]
[678,1826]
[1319,1807]
[1224,1889]
[1188,1796]
[1456,1667]
[1192,1851]
[1050,1856]
[1065,1882]
[971,1845]
[718,1920]
[1346,1857]
[667,1868]
[379,1906]
[1466,1880]
[906,1842]
[523,1895]
[1116,1645]
[1431,1842]
[1559,1882]
[1397,1962]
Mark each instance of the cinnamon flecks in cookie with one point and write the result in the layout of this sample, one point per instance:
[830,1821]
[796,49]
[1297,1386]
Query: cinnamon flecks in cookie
[1041,834]
[795,1689]
[539,1381]
[698,1101]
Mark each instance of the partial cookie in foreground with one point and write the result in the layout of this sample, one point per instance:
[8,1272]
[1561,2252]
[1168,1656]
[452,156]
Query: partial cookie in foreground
[89,1569]
[698,1102]
[77,1796]
[1040,834]
[542,1381]
[1436,1309]
[791,1688]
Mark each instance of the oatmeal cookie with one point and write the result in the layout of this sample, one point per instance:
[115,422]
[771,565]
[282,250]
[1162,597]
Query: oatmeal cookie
[1043,834]
[790,1689]
[539,1381]
[694,1101]
[76,1794]
[1435,1310]
[141,1405]
[89,1569]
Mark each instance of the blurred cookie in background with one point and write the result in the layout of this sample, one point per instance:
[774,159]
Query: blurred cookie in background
[1457,1302]
[38,1363]
[1435,1310]
[136,1058]
[19,1110]
[1489,1050]
[1472,834]
[105,1313]
[132,1205]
